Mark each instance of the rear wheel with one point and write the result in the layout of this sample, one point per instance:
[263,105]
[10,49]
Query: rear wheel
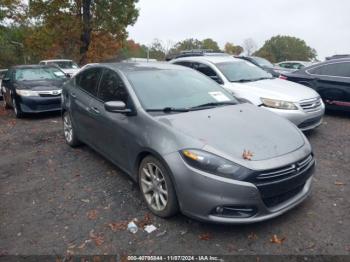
[157,188]
[69,132]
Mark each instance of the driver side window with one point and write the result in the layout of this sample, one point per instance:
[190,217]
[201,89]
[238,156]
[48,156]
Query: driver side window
[112,88]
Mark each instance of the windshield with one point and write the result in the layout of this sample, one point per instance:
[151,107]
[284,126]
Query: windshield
[262,62]
[241,71]
[64,64]
[159,89]
[47,73]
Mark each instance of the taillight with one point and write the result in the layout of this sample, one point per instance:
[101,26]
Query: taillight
[283,77]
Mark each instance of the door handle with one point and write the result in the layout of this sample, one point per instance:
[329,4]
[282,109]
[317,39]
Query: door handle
[73,95]
[95,110]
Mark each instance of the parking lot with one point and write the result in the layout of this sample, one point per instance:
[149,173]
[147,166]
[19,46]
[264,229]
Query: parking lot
[55,199]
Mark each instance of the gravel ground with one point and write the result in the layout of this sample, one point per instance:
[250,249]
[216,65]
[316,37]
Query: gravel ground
[55,199]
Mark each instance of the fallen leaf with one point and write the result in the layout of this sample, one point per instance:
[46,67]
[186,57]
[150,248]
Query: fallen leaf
[98,239]
[276,240]
[252,236]
[85,200]
[116,226]
[247,155]
[92,214]
[147,220]
[338,183]
[205,236]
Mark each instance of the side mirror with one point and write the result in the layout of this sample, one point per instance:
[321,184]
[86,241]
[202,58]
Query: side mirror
[117,107]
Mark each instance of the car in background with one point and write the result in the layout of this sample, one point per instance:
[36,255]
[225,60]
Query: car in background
[196,52]
[33,89]
[261,62]
[69,67]
[191,155]
[290,66]
[2,74]
[249,83]
[331,79]
[337,57]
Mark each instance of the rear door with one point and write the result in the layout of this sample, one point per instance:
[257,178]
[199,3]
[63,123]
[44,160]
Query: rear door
[332,81]
[85,88]
[111,131]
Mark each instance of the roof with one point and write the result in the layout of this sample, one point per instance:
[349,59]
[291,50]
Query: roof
[30,66]
[139,66]
[211,59]
[57,60]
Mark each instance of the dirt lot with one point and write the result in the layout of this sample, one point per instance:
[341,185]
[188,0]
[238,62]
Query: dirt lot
[55,198]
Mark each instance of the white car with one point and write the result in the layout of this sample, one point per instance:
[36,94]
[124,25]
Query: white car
[290,66]
[249,83]
[67,66]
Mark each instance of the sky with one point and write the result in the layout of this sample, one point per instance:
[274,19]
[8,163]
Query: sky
[323,24]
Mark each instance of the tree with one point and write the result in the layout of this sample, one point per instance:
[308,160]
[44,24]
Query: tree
[280,48]
[81,20]
[210,44]
[249,46]
[12,11]
[232,49]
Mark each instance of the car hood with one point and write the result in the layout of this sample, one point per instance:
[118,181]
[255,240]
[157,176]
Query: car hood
[41,85]
[229,130]
[281,89]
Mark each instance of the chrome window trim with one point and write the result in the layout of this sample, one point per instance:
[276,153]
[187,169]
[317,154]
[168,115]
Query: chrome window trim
[307,71]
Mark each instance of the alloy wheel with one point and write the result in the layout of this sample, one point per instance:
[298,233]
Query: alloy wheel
[67,127]
[154,186]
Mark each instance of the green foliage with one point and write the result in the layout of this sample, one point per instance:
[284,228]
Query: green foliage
[11,51]
[281,48]
[70,25]
[232,49]
[191,43]
[210,44]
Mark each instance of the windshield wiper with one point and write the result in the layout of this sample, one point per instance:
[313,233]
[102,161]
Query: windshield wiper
[212,104]
[168,110]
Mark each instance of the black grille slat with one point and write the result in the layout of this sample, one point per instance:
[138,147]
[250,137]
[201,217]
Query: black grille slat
[285,172]
[311,105]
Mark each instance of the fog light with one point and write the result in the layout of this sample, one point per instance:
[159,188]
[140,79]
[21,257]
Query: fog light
[234,211]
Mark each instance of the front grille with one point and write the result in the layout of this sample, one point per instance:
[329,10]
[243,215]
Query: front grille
[279,199]
[51,93]
[311,105]
[280,184]
[285,172]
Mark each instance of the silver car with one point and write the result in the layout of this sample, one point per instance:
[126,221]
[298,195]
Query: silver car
[248,82]
[190,145]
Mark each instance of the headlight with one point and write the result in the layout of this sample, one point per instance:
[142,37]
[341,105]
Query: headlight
[214,164]
[23,92]
[279,104]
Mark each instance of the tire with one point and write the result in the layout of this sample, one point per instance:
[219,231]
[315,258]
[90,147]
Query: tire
[68,131]
[5,104]
[16,108]
[157,188]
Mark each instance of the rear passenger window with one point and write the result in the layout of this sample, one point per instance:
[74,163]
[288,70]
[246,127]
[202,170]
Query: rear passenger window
[204,69]
[183,63]
[336,69]
[112,88]
[88,80]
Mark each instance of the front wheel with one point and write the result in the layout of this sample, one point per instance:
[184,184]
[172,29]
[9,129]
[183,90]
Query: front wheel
[157,188]
[69,132]
[16,108]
